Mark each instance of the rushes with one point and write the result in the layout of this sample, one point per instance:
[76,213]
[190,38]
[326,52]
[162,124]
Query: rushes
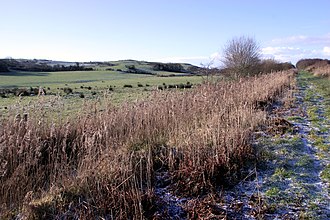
[103,163]
[323,71]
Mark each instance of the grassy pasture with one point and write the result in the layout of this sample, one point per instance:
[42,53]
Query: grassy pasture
[24,79]
[78,78]
[92,84]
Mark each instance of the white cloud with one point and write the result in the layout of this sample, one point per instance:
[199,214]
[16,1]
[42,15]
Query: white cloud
[297,47]
[195,60]
[215,56]
[212,60]
[326,51]
[278,50]
[290,54]
[302,39]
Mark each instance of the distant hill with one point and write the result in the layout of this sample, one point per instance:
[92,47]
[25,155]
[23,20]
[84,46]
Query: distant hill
[154,68]
[124,66]
[41,65]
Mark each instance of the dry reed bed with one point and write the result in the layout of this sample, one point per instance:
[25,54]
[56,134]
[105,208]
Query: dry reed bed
[104,163]
[323,71]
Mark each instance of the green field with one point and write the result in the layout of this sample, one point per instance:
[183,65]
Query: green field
[91,85]
[85,78]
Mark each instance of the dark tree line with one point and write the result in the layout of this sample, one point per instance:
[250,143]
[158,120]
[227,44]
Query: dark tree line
[3,66]
[33,66]
[169,67]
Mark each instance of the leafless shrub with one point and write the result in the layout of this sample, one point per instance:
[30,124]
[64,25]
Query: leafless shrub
[242,56]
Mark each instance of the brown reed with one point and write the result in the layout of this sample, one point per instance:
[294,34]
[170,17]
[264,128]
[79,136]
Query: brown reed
[103,163]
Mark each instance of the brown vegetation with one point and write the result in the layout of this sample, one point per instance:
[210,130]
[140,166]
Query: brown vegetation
[318,67]
[323,71]
[305,63]
[270,65]
[103,164]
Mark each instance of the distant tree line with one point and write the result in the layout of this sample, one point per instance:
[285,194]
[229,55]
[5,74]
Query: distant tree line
[271,65]
[3,66]
[133,69]
[169,67]
[34,66]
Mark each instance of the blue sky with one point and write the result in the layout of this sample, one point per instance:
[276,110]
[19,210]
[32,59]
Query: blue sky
[161,30]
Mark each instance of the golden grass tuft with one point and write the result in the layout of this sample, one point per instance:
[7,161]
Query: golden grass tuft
[320,68]
[323,71]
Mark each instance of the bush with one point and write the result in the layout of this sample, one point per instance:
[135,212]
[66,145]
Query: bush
[22,92]
[181,86]
[130,67]
[67,90]
[128,86]
[81,95]
[188,86]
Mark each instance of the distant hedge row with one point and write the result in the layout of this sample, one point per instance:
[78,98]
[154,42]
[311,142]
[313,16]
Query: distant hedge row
[34,66]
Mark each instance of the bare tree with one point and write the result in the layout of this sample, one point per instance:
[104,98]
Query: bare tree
[206,70]
[241,56]
[3,66]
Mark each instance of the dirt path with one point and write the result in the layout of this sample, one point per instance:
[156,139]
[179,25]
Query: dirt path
[298,188]
[292,179]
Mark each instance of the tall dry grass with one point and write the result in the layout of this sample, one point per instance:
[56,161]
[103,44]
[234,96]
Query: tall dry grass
[103,164]
[322,71]
[318,67]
